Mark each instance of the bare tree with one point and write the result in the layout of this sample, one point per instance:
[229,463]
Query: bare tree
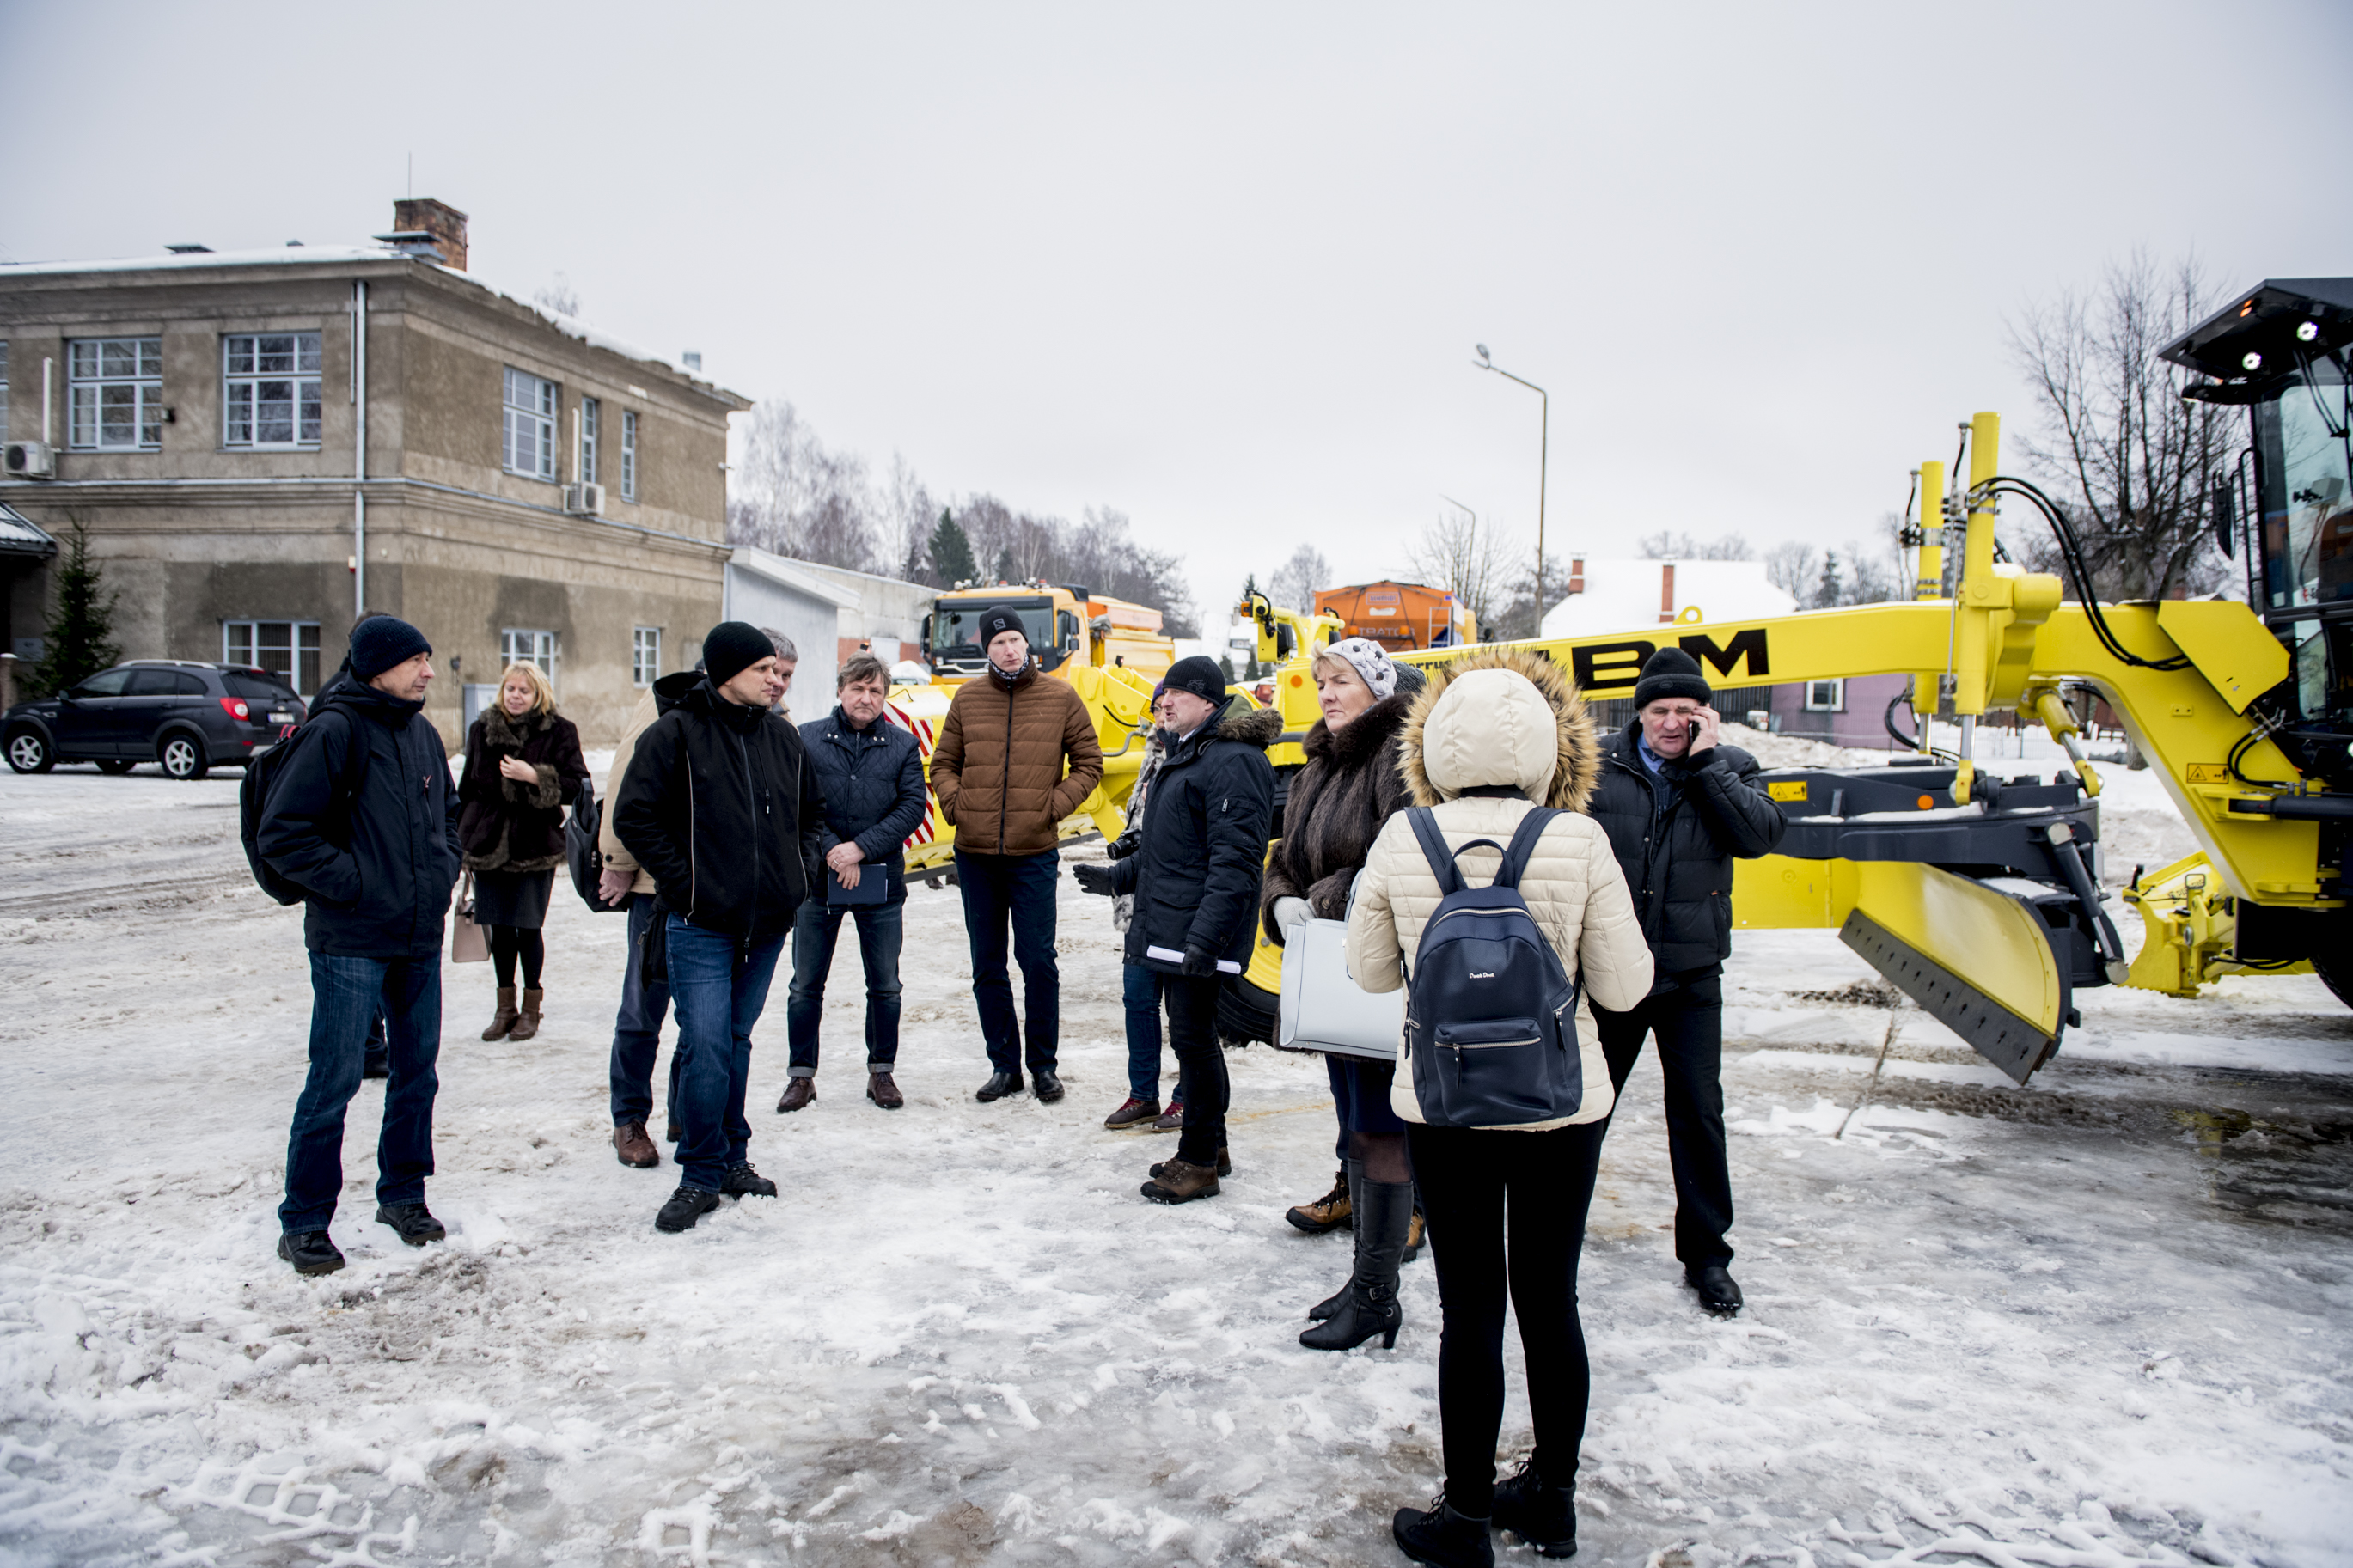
[559,297]
[796,498]
[1794,568]
[1295,583]
[1664,546]
[2129,457]
[1461,555]
[910,516]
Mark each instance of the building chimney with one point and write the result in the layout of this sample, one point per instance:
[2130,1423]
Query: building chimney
[1577,573]
[1666,591]
[445,222]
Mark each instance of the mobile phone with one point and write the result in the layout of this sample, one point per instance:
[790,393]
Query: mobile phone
[1692,732]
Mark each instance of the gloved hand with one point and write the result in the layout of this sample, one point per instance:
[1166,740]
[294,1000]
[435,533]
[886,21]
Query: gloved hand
[1199,963]
[1092,878]
[1290,914]
[1126,844]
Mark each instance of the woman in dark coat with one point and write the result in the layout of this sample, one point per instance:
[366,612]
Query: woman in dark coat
[522,764]
[1337,802]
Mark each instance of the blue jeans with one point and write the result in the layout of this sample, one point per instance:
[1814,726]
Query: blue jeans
[346,996]
[881,928]
[719,984]
[1140,991]
[1016,890]
[636,1029]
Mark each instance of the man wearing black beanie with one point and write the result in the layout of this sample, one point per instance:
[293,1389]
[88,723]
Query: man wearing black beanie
[720,806]
[1680,808]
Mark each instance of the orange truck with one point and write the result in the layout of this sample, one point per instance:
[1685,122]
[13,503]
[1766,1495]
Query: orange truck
[1403,617]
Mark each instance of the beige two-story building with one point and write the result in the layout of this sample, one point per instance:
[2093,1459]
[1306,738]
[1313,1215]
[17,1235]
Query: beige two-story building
[261,444]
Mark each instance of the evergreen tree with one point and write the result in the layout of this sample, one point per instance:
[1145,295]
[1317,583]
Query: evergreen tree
[82,627]
[951,551]
[1226,667]
[1829,590]
[1005,564]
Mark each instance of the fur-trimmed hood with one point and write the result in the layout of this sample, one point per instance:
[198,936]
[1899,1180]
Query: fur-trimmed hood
[1500,716]
[1260,726]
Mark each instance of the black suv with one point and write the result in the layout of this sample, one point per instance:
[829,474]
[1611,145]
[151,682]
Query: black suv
[183,716]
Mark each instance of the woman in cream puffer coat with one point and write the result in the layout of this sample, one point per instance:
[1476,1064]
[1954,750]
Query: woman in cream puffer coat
[1494,733]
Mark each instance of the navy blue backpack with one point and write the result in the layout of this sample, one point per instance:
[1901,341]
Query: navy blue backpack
[1491,1015]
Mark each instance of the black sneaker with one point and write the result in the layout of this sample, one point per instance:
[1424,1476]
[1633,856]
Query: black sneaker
[685,1207]
[373,1066]
[1543,1516]
[743,1182]
[1717,1291]
[413,1223]
[310,1251]
[1045,1086]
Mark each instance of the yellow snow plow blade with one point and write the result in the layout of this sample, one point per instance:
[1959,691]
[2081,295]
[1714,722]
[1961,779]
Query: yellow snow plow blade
[1979,962]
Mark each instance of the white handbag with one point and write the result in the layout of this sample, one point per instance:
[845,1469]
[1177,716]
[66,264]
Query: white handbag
[1323,1009]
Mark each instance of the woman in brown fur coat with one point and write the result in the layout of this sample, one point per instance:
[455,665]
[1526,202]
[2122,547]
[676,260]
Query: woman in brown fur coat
[1334,810]
[523,763]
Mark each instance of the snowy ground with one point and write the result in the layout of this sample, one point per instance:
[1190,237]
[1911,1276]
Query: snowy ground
[2099,1322]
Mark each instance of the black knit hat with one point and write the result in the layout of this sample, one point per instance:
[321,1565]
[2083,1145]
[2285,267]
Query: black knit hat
[382,641]
[1198,674]
[1671,672]
[999,619]
[730,648]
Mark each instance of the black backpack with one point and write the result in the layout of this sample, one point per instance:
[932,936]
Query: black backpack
[581,854]
[253,800]
[1491,1015]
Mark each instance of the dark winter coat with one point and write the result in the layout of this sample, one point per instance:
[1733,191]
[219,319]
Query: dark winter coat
[1196,871]
[1337,802]
[720,805]
[997,768]
[1676,835]
[379,866]
[510,827]
[872,780]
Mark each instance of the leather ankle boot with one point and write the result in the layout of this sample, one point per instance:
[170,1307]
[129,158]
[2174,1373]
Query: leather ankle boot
[506,1015]
[1443,1537]
[1370,1306]
[1537,1511]
[526,1022]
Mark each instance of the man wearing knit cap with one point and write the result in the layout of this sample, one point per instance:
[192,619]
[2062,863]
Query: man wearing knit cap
[720,806]
[1680,808]
[362,817]
[999,773]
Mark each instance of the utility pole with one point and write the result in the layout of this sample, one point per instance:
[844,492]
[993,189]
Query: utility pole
[1544,460]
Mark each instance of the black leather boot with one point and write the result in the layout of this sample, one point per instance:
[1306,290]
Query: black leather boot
[1543,1515]
[1321,1310]
[1384,1210]
[1443,1537]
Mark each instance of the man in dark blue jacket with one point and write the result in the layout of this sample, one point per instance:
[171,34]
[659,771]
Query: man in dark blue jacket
[1195,874]
[720,806]
[364,820]
[871,773]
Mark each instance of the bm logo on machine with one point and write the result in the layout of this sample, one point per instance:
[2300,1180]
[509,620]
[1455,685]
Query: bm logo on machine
[1601,666]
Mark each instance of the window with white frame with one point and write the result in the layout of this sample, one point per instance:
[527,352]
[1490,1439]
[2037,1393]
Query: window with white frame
[288,650]
[529,448]
[114,390]
[516,647]
[270,389]
[644,656]
[1826,695]
[629,454]
[589,415]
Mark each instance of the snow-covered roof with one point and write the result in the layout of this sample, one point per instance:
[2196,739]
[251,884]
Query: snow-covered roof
[787,573]
[1629,595]
[20,535]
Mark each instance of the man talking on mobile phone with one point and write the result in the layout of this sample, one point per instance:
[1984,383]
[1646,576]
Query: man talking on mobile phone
[1680,808]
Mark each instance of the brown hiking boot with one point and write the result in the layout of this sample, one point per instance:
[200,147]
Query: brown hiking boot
[1329,1212]
[506,1015]
[634,1148]
[1133,1115]
[526,1022]
[883,1092]
[1225,1163]
[798,1092]
[1180,1183]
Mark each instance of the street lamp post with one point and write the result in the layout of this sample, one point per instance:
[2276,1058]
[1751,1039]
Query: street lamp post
[1544,460]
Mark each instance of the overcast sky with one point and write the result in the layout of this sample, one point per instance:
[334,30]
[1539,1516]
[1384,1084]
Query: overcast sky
[1222,266]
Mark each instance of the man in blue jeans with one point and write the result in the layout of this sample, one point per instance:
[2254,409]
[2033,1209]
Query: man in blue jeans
[364,819]
[719,804]
[871,775]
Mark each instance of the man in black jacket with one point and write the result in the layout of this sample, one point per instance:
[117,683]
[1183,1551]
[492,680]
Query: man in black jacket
[364,821]
[1195,875]
[1678,808]
[871,773]
[720,806]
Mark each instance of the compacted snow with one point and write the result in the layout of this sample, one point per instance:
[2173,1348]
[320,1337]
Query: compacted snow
[2098,1322]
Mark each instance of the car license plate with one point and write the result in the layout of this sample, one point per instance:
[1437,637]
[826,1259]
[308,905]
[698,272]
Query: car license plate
[281,718]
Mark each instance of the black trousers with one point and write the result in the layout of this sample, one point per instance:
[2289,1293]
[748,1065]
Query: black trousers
[1506,1212]
[1200,1064]
[1689,1024]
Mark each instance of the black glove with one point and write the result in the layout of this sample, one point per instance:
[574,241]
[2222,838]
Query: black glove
[1126,844]
[1092,879]
[1199,963]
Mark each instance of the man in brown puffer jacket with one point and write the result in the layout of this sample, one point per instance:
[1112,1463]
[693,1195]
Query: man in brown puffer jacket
[998,774]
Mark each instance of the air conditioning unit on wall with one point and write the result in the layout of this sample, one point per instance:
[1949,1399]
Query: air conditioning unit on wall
[585,500]
[31,460]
